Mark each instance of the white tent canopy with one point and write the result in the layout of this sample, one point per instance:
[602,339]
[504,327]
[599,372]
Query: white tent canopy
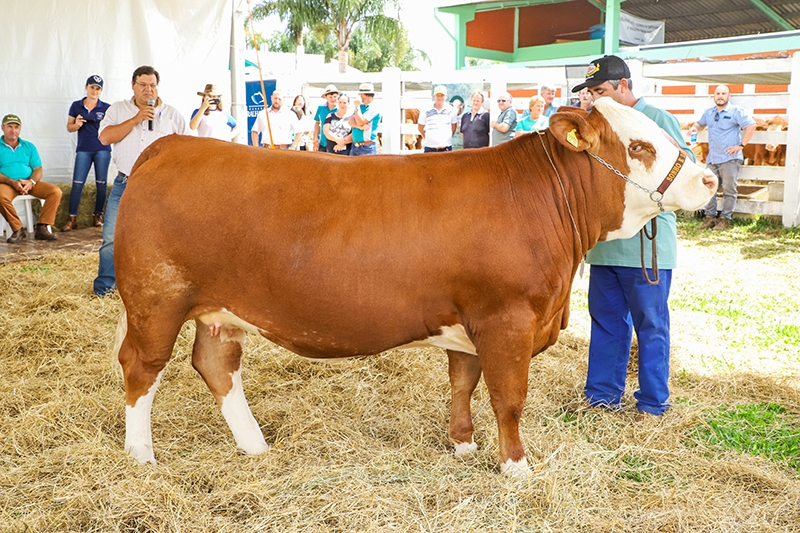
[50,48]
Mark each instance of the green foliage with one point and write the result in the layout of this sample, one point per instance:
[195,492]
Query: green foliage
[638,469]
[757,429]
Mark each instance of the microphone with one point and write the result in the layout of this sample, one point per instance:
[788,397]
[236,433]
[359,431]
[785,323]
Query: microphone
[151,103]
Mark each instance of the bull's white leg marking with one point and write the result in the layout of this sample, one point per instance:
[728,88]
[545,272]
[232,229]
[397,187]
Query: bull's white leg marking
[515,468]
[240,419]
[465,448]
[138,432]
[451,338]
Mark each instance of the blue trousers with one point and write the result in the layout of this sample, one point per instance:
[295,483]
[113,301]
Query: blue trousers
[106,280]
[620,300]
[366,149]
[83,162]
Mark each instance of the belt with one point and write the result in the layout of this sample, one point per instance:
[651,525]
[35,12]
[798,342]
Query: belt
[124,176]
[442,149]
[365,143]
[278,146]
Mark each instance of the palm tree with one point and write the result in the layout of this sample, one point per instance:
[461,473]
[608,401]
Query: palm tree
[340,17]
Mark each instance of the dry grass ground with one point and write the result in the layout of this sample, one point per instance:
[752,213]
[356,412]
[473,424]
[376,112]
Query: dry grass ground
[361,446]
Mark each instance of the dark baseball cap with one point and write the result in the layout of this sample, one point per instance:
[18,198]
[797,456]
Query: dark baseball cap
[604,69]
[94,79]
[11,119]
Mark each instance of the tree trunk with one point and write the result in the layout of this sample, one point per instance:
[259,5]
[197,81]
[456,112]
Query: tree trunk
[342,60]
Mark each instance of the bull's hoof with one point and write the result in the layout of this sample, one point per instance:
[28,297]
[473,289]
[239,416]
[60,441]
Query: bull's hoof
[515,468]
[465,448]
[143,454]
[254,448]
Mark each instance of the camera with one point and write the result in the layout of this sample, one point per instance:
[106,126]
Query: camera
[213,101]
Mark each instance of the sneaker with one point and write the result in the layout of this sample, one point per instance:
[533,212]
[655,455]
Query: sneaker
[17,236]
[44,233]
[708,223]
[582,406]
[722,224]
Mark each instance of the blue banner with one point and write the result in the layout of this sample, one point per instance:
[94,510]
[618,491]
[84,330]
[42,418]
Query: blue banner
[255,102]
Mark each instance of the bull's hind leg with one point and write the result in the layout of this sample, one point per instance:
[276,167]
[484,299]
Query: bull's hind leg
[465,372]
[217,356]
[143,354]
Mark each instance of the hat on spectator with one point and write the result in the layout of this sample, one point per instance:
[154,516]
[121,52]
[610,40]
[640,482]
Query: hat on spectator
[11,119]
[604,69]
[210,90]
[330,89]
[94,79]
[366,88]
[440,89]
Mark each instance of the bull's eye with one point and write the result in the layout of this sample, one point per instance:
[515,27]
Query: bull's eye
[635,148]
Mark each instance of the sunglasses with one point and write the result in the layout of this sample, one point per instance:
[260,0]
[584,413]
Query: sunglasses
[501,100]
[716,117]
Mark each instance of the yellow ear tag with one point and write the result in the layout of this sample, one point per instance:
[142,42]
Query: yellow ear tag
[572,138]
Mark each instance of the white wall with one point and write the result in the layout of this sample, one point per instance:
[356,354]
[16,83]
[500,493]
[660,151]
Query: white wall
[49,48]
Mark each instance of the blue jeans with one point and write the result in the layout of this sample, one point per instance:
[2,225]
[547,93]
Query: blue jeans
[727,175]
[83,161]
[621,300]
[364,149]
[106,281]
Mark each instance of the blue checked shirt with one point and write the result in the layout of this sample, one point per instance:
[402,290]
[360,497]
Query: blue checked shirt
[724,130]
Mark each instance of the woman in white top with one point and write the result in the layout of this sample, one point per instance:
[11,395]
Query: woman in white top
[304,133]
[209,120]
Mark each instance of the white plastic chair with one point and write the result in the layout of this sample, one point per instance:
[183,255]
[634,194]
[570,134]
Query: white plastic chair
[24,206]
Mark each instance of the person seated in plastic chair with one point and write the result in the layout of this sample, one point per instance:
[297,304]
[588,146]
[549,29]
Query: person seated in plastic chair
[21,173]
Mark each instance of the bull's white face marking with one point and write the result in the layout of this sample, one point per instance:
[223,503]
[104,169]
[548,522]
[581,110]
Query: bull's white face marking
[451,338]
[138,435]
[240,419]
[515,468]
[687,190]
[465,448]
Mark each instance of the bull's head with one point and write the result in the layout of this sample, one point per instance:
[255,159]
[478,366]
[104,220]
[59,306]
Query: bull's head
[641,151]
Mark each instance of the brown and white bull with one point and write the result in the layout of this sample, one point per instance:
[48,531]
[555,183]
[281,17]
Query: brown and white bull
[333,257]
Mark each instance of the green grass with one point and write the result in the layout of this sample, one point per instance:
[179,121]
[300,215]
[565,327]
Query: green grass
[765,430]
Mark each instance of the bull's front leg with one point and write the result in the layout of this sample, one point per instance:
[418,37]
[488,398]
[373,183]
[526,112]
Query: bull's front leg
[465,372]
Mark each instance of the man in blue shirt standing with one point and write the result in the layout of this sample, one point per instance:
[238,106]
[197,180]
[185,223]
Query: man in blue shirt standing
[364,122]
[620,298]
[726,141]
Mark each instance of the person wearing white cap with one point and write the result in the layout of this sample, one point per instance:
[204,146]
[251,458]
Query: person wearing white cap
[330,95]
[84,117]
[438,124]
[365,120]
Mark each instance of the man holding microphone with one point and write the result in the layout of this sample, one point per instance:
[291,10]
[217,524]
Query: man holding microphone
[131,126]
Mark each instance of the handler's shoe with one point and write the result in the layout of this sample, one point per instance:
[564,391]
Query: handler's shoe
[44,233]
[97,220]
[709,223]
[646,418]
[17,236]
[722,224]
[72,223]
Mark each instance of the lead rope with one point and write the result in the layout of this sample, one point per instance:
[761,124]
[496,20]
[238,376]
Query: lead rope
[652,238]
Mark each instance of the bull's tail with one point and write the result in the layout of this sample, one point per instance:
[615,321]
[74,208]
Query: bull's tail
[122,330]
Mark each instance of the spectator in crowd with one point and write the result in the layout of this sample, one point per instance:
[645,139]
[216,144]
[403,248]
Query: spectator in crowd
[337,128]
[330,95]
[364,121]
[503,128]
[458,139]
[84,117]
[21,173]
[585,99]
[548,92]
[438,123]
[210,119]
[278,130]
[131,126]
[536,120]
[475,123]
[726,141]
[303,138]
[620,298]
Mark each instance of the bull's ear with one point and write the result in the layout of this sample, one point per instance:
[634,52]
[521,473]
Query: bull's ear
[572,130]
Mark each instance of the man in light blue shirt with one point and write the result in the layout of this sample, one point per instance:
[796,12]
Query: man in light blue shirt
[726,141]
